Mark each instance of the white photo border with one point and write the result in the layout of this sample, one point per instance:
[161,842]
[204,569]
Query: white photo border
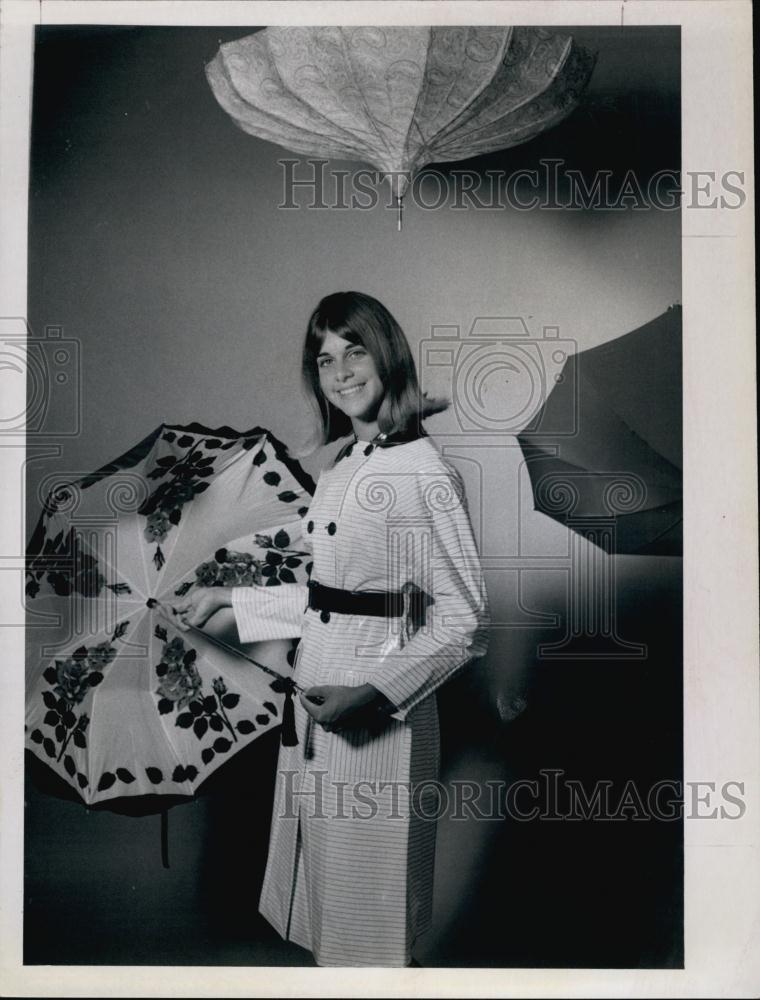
[722,691]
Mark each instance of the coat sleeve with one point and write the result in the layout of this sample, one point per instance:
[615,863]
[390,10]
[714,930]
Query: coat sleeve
[456,625]
[269,612]
[263,613]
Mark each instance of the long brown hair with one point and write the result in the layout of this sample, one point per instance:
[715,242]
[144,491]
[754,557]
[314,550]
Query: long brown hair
[361,319]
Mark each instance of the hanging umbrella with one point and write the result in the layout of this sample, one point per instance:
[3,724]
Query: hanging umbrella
[604,451]
[121,703]
[399,98]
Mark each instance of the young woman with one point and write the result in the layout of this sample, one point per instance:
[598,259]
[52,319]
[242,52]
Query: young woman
[396,604]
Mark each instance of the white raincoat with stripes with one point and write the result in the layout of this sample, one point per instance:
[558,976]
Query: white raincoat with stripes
[350,867]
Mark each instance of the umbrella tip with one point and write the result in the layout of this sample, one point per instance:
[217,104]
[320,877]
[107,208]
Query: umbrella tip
[151,602]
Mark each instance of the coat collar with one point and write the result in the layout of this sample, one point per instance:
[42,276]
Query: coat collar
[381,440]
[397,437]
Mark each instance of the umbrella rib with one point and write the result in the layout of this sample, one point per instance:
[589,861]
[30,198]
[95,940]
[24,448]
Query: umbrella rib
[456,122]
[485,83]
[311,109]
[493,141]
[665,531]
[368,115]
[275,118]
[574,465]
[462,115]
[677,471]
[522,102]
[555,456]
[420,92]
[604,401]
[584,385]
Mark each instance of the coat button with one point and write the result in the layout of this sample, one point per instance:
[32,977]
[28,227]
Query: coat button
[325,616]
[332,527]
[310,527]
[368,449]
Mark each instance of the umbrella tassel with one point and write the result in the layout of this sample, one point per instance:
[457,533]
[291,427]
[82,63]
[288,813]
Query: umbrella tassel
[289,736]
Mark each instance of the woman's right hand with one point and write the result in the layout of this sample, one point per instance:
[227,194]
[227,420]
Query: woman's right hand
[199,605]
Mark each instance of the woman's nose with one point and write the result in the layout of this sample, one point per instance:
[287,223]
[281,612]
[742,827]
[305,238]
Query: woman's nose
[343,371]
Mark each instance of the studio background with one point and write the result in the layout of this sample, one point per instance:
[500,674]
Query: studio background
[156,243]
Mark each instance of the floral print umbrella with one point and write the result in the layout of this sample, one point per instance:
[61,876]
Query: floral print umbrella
[399,98]
[119,701]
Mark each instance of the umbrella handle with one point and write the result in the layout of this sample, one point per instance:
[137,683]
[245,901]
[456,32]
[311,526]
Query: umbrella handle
[165,838]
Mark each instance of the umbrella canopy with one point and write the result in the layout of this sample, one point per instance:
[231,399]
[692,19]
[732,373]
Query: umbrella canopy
[119,701]
[605,448]
[399,98]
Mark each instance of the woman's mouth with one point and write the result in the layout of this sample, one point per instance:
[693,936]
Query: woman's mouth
[343,393]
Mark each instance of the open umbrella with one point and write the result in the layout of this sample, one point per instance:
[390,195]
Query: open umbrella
[604,451]
[399,98]
[120,702]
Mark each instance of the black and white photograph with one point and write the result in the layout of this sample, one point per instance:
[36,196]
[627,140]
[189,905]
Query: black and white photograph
[375,499]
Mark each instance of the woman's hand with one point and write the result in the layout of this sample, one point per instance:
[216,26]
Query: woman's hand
[199,605]
[334,706]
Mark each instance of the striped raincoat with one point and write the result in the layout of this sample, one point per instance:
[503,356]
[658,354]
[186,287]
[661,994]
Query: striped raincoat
[350,867]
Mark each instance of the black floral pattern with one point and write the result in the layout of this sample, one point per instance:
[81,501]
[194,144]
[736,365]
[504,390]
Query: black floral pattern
[180,680]
[207,714]
[230,568]
[185,478]
[70,680]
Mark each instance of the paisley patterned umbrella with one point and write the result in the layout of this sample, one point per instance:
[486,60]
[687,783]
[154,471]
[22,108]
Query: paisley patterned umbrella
[119,701]
[399,98]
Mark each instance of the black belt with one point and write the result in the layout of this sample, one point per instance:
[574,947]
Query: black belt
[382,604]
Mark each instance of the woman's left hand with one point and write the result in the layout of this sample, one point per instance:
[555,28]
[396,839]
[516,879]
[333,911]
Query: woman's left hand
[334,706]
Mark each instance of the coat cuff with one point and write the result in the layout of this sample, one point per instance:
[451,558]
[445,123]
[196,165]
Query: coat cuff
[408,676]
[263,613]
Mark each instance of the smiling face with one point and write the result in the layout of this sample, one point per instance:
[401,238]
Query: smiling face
[349,379]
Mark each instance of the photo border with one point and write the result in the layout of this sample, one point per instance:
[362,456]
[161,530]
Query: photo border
[721,690]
